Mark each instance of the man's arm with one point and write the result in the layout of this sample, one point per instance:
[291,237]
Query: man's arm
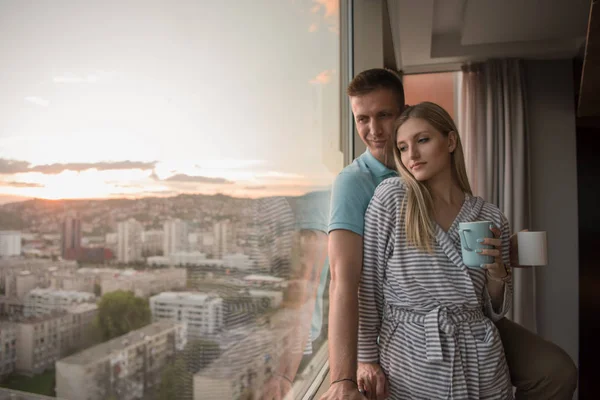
[309,254]
[345,257]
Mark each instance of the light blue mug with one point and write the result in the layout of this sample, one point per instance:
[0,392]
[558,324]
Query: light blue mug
[469,233]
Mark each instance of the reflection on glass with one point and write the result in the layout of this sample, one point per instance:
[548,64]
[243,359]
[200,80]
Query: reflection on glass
[164,191]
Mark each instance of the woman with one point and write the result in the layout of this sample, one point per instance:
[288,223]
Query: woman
[432,332]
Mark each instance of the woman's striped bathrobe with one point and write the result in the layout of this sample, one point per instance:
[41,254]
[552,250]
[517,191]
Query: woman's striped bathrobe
[427,318]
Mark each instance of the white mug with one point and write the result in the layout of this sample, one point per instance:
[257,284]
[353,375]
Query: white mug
[533,248]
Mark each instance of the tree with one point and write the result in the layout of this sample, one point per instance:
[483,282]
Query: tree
[120,312]
[177,379]
[176,382]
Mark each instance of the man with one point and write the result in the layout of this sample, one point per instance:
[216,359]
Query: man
[291,233]
[539,369]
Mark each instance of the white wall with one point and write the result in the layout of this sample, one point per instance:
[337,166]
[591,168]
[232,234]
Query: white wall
[554,198]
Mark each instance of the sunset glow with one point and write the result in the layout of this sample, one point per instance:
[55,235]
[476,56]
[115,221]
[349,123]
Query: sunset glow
[122,115]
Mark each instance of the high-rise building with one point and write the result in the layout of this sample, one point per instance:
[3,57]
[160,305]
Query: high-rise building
[222,232]
[70,236]
[129,236]
[202,313]
[175,236]
[10,243]
[152,242]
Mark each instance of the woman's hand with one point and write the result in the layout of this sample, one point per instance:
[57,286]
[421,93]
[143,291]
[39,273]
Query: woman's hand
[497,269]
[372,381]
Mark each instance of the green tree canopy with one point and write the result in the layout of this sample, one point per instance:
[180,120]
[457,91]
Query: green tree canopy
[120,312]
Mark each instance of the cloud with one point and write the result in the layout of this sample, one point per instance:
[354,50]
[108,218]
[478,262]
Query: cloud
[154,176]
[322,78]
[37,101]
[147,193]
[15,167]
[100,166]
[126,185]
[196,179]
[313,28]
[21,184]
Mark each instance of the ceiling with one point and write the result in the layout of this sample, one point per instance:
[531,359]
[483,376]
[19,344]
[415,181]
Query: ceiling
[431,35]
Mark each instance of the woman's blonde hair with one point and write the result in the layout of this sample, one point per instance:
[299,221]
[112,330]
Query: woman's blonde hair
[418,203]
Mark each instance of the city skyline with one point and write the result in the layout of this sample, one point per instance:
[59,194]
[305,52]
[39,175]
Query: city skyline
[143,104]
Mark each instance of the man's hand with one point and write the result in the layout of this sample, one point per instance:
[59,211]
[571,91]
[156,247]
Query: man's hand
[372,381]
[342,391]
[276,388]
[514,250]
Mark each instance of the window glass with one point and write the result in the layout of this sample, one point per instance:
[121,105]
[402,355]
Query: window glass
[164,188]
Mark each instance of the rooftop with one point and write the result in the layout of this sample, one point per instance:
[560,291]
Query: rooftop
[36,319]
[197,296]
[59,293]
[133,338]
[81,308]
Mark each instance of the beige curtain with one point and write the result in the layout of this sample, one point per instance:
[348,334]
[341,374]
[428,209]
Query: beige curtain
[493,127]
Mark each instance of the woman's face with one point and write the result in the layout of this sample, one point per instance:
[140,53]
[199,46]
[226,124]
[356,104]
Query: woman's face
[424,151]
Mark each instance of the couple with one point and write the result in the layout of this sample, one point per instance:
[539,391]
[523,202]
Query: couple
[422,325]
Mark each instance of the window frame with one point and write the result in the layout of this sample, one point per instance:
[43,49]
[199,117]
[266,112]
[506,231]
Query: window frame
[347,137]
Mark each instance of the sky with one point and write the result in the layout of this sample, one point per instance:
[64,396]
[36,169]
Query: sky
[109,98]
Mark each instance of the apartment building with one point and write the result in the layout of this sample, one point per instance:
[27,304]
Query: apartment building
[11,307]
[202,313]
[8,350]
[129,245]
[10,244]
[128,367]
[144,283]
[243,369]
[44,339]
[241,308]
[17,275]
[152,242]
[42,301]
[175,236]
[77,281]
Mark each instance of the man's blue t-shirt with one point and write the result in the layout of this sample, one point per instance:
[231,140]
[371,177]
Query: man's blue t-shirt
[352,192]
[276,219]
[346,206]
[312,211]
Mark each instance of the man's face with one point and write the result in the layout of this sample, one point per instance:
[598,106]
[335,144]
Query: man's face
[375,114]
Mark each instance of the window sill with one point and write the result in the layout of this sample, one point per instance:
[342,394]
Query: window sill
[308,385]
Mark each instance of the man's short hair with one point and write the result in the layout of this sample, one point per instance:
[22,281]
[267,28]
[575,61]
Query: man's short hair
[377,78]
